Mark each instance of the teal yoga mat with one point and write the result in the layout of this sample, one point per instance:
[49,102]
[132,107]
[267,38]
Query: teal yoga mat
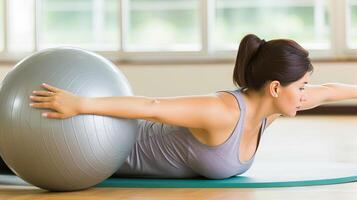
[260,175]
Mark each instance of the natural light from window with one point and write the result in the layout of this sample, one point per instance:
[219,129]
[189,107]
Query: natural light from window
[87,24]
[352,24]
[305,21]
[159,25]
[21,26]
[2,25]
[175,29]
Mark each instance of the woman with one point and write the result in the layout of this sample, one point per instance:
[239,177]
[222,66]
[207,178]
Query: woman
[215,135]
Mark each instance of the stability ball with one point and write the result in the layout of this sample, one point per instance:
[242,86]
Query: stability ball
[63,154]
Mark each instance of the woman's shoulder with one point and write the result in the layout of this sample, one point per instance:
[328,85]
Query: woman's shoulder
[229,100]
[232,109]
[226,119]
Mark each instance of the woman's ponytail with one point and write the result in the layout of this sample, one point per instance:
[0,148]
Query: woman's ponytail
[242,74]
[258,62]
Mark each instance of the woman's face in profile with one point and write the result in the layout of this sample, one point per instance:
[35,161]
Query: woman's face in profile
[291,97]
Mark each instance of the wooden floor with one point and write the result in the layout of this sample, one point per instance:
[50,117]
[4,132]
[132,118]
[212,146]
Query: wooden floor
[303,139]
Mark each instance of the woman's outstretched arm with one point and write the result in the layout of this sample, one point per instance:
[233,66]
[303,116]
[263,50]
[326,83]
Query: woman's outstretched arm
[329,92]
[320,94]
[205,112]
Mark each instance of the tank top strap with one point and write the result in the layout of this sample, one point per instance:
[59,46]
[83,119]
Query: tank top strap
[234,137]
[239,97]
[265,124]
[242,106]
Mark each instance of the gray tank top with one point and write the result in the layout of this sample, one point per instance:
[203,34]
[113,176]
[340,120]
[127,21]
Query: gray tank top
[167,151]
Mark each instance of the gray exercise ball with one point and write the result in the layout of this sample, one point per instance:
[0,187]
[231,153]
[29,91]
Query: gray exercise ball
[63,154]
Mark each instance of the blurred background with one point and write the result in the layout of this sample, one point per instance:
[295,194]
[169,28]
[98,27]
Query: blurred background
[188,47]
[181,47]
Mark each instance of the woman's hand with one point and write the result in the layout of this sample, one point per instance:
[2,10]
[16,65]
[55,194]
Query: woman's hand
[63,103]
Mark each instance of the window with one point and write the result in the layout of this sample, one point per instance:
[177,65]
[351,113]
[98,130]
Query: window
[2,18]
[305,21]
[87,24]
[21,25]
[163,25]
[175,29]
[352,24]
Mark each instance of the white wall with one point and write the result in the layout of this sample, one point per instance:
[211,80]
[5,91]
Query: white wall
[185,79]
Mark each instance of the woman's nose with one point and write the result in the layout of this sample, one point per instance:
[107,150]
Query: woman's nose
[303,98]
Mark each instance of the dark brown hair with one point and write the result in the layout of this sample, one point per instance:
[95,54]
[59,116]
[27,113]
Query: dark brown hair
[258,62]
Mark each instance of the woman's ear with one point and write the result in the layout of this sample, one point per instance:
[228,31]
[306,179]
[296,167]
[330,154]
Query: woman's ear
[274,89]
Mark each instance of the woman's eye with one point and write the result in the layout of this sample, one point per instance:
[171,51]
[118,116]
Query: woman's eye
[302,88]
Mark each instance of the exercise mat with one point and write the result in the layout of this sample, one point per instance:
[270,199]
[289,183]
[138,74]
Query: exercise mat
[260,175]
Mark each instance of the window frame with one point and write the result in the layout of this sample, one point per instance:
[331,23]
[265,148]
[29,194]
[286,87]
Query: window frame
[339,49]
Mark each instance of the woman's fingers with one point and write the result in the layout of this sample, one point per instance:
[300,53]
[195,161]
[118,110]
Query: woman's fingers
[50,87]
[53,115]
[43,105]
[46,103]
[41,99]
[43,93]
[62,103]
